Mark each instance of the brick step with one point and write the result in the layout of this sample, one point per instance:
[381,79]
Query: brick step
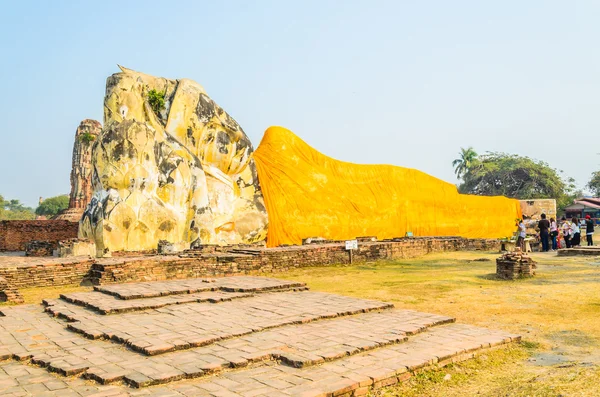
[372,365]
[356,375]
[190,325]
[275,344]
[108,304]
[299,346]
[189,286]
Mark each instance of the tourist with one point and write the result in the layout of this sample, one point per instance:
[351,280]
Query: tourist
[544,227]
[575,232]
[566,231]
[589,230]
[522,234]
[553,233]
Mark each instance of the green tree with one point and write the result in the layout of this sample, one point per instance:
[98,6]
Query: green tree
[53,206]
[14,210]
[594,184]
[467,159]
[501,174]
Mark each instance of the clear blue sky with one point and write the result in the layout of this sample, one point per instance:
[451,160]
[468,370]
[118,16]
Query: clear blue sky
[398,82]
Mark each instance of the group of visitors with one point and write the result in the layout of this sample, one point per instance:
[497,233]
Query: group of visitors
[570,230]
[572,233]
[550,233]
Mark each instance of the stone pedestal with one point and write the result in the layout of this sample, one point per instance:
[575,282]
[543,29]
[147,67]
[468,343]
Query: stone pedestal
[76,247]
[167,248]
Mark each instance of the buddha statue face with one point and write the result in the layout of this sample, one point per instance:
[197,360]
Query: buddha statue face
[172,165]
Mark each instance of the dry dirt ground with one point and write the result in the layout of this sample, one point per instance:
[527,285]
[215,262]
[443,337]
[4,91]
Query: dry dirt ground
[557,313]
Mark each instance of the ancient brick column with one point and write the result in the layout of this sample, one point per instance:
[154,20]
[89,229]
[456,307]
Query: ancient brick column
[81,171]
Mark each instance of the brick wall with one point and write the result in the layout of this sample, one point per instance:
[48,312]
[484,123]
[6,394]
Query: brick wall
[45,272]
[23,272]
[15,234]
[227,261]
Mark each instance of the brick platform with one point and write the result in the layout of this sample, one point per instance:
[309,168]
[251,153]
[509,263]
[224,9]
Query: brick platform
[579,251]
[214,261]
[217,261]
[274,339]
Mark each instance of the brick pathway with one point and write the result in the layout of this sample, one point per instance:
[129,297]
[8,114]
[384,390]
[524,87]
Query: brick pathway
[239,336]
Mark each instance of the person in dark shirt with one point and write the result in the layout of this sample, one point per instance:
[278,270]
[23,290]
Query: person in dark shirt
[544,226]
[589,230]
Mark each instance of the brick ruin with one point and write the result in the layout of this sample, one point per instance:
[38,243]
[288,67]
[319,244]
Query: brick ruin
[81,170]
[14,235]
[21,272]
[40,248]
[9,293]
[514,265]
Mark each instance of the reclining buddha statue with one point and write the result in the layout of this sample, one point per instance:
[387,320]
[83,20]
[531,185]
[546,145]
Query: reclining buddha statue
[170,164]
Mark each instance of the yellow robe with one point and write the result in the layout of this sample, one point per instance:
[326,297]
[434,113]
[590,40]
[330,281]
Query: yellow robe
[308,194]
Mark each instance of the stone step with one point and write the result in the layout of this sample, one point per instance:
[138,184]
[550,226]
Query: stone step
[189,286]
[271,344]
[355,375]
[108,304]
[299,346]
[190,325]
[349,375]
[579,251]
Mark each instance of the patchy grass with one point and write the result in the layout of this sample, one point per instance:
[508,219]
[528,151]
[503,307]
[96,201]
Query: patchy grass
[557,313]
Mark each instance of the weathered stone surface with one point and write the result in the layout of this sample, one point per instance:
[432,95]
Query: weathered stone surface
[180,171]
[76,247]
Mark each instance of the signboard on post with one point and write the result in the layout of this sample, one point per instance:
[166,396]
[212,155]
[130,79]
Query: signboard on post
[351,244]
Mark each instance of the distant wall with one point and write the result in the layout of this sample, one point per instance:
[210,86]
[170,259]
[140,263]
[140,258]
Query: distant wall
[536,207]
[14,235]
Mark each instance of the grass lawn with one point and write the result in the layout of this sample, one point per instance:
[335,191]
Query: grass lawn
[557,313]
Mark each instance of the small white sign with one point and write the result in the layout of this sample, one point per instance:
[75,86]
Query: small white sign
[351,244]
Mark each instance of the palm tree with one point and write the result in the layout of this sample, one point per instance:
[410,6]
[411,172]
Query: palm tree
[467,158]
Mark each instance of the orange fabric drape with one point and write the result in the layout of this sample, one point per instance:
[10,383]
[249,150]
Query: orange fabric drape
[308,194]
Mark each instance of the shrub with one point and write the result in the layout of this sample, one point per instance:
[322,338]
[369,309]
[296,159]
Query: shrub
[156,99]
[87,138]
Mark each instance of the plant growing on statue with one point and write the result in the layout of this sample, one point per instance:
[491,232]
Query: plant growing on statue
[156,99]
[87,138]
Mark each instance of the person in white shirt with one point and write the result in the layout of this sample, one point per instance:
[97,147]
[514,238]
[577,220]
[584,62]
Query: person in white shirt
[566,231]
[575,232]
[522,234]
[553,233]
